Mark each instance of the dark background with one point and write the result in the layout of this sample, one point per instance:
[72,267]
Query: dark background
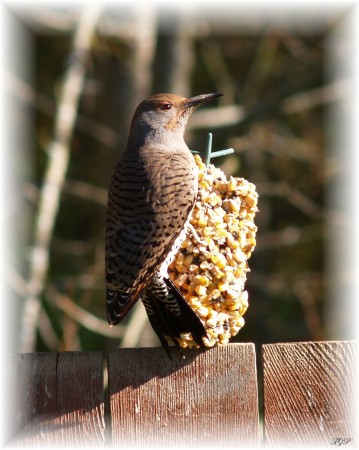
[279,77]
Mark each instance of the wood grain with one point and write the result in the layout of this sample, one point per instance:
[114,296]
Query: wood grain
[35,397]
[310,394]
[60,399]
[206,398]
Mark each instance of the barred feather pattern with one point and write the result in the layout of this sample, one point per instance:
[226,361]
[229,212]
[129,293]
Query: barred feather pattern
[169,313]
[151,195]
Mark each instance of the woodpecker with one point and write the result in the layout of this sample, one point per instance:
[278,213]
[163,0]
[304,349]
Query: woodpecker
[151,195]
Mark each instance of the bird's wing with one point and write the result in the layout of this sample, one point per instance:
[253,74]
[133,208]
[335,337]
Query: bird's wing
[148,206]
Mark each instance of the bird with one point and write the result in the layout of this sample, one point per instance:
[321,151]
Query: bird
[151,195]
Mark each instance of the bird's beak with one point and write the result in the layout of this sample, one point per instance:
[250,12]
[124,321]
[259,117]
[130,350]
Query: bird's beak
[193,102]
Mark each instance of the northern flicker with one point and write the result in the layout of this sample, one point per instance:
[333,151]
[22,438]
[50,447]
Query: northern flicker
[151,196]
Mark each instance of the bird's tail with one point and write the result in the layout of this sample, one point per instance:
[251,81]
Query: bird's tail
[169,313]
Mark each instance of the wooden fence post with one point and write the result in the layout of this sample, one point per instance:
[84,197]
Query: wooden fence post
[310,394]
[206,398]
[59,399]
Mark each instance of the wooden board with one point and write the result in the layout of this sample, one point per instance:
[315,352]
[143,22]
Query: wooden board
[59,399]
[310,395]
[206,398]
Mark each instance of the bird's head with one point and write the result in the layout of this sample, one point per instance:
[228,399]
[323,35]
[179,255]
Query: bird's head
[165,115]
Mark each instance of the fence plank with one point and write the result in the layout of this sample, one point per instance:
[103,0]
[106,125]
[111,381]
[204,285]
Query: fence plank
[309,393]
[60,399]
[35,392]
[205,398]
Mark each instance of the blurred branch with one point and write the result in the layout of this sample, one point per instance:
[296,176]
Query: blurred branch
[144,43]
[173,62]
[134,327]
[30,192]
[27,94]
[225,116]
[311,315]
[16,281]
[86,191]
[291,147]
[70,337]
[218,69]
[48,20]
[293,196]
[276,285]
[222,116]
[330,93]
[19,285]
[47,332]
[58,151]
[276,144]
[83,317]
[290,235]
[270,283]
[299,49]
[260,68]
[77,188]
[72,247]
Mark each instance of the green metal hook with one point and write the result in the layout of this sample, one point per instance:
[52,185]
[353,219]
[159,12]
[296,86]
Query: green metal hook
[207,154]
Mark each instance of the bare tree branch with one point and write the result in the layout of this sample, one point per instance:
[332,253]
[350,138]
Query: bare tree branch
[330,93]
[16,281]
[19,285]
[86,191]
[289,236]
[59,153]
[27,94]
[303,291]
[76,188]
[47,332]
[218,68]
[135,326]
[260,68]
[174,57]
[143,51]
[217,117]
[293,196]
[82,316]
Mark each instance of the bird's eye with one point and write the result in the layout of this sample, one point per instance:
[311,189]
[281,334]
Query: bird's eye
[166,106]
